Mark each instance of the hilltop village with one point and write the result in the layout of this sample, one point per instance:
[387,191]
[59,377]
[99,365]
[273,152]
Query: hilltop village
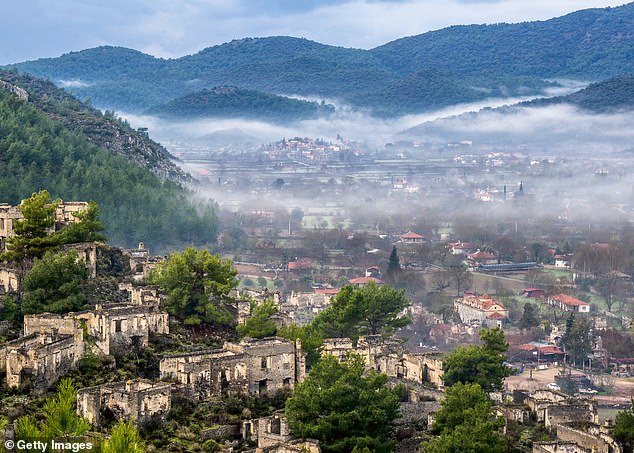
[214,369]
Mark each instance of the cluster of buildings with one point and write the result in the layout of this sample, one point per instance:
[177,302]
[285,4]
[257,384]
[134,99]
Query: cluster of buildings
[574,421]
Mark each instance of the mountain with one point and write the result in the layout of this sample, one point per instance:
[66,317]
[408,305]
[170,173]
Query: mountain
[588,44]
[233,102]
[102,130]
[49,140]
[435,69]
[612,95]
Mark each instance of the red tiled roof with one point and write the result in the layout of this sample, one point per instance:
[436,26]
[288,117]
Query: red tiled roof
[328,291]
[569,300]
[546,349]
[411,235]
[496,316]
[297,265]
[364,280]
[481,256]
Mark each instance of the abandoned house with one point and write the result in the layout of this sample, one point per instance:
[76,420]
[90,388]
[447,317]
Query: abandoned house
[39,359]
[119,325]
[64,215]
[272,434]
[142,262]
[138,400]
[390,357]
[249,367]
[8,280]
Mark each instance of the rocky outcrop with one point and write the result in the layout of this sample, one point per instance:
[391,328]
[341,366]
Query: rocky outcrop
[104,130]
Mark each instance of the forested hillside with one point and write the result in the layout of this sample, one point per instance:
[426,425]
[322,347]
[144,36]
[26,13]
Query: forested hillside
[588,44]
[233,102]
[435,69]
[38,152]
[611,95]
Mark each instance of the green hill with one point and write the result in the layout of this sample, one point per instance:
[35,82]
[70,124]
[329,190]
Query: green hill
[589,44]
[48,141]
[435,69]
[612,95]
[232,102]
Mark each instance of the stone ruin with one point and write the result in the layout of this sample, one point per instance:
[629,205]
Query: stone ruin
[139,400]
[249,367]
[390,357]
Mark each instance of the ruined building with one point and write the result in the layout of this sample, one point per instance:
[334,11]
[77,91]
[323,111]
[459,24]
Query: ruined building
[64,215]
[40,358]
[272,434]
[138,400]
[249,367]
[119,325]
[142,262]
[390,357]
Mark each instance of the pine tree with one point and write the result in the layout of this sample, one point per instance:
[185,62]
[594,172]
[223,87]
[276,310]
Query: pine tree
[393,267]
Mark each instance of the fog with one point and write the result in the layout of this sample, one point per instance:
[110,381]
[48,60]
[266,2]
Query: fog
[463,162]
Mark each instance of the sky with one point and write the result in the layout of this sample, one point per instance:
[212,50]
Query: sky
[31,29]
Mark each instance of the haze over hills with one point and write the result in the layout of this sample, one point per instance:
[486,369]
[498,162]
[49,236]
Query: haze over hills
[415,74]
[233,102]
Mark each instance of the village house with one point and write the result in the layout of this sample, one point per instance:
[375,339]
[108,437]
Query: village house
[142,262]
[563,261]
[115,326]
[412,238]
[8,280]
[569,303]
[39,359]
[389,356]
[592,438]
[460,248]
[139,400]
[482,310]
[552,408]
[535,293]
[479,258]
[302,307]
[362,281]
[253,366]
[272,434]
[65,214]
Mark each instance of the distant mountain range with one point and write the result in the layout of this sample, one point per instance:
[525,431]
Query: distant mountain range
[414,74]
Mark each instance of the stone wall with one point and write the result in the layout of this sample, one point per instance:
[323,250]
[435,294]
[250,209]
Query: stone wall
[574,411]
[116,326]
[389,356]
[140,400]
[41,359]
[251,367]
[597,439]
[8,280]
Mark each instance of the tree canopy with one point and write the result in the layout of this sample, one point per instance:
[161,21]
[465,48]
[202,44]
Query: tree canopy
[624,427]
[198,285]
[32,238]
[260,324]
[466,423]
[368,310]
[483,365]
[54,284]
[343,407]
